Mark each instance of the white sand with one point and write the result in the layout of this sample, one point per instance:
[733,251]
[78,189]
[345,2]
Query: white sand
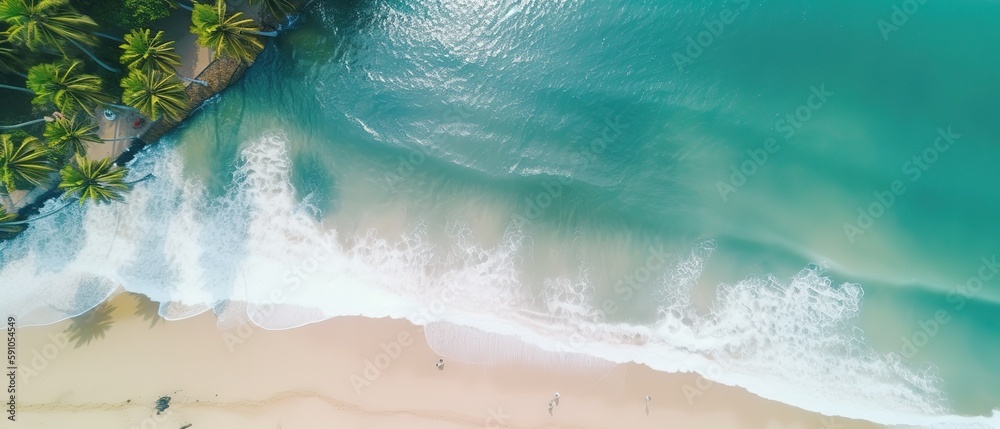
[302,378]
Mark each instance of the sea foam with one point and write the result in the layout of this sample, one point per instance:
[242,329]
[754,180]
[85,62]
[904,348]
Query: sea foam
[259,254]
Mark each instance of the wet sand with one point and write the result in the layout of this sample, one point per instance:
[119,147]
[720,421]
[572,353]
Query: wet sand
[110,369]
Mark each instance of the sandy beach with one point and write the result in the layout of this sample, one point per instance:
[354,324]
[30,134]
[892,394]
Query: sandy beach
[315,376]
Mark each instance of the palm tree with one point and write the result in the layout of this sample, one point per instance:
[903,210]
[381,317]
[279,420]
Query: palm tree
[17,88]
[37,24]
[27,123]
[62,85]
[10,61]
[145,53]
[8,231]
[70,134]
[22,163]
[180,4]
[100,181]
[230,35]
[155,94]
[279,9]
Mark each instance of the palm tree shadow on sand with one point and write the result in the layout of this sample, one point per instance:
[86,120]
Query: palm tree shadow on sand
[91,325]
[148,309]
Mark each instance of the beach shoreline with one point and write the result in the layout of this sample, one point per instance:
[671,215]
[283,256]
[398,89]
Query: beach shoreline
[354,371]
[123,136]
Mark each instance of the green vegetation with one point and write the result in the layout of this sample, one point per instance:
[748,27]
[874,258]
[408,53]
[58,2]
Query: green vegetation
[23,163]
[155,94]
[144,53]
[97,181]
[46,24]
[8,231]
[69,136]
[52,51]
[229,35]
[279,9]
[63,86]
[125,14]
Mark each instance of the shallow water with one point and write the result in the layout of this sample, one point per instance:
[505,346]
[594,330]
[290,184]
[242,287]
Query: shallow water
[556,171]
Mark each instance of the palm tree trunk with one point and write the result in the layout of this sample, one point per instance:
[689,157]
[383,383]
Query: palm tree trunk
[8,202]
[120,139]
[17,88]
[264,33]
[108,36]
[123,107]
[89,54]
[198,81]
[143,179]
[22,222]
[22,124]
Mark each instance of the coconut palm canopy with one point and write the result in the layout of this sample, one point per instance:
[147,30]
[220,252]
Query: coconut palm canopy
[230,35]
[46,24]
[23,162]
[8,231]
[149,53]
[10,62]
[98,181]
[70,134]
[155,94]
[64,86]
[277,8]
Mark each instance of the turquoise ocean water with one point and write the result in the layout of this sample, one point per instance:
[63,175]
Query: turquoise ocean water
[794,197]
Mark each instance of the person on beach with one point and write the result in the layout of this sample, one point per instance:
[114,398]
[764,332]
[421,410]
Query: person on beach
[440,364]
[551,404]
[556,399]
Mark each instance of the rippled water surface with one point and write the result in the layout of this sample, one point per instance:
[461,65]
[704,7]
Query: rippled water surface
[790,196]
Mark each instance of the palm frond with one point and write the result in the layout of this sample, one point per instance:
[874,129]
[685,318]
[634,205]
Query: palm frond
[155,94]
[40,24]
[149,53]
[277,8]
[8,231]
[62,85]
[98,181]
[70,134]
[228,35]
[23,163]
